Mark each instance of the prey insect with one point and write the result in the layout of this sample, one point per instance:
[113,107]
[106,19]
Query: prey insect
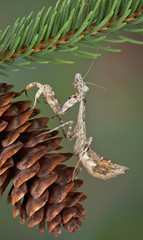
[94,164]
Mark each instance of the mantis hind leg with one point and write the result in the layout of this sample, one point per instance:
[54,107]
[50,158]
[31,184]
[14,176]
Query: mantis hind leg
[76,171]
[87,144]
[61,126]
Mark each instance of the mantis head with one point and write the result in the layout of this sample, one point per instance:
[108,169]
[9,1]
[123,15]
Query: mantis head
[79,83]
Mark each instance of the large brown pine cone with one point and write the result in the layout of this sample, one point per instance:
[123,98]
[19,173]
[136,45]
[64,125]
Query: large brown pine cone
[42,189]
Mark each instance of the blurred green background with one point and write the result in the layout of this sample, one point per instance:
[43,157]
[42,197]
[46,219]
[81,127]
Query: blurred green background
[114,118]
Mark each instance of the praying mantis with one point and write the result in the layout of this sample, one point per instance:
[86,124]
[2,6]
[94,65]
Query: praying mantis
[95,165]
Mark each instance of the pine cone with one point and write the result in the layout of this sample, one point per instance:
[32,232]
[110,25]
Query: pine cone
[42,187]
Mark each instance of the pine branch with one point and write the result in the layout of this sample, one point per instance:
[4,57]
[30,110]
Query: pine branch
[68,29]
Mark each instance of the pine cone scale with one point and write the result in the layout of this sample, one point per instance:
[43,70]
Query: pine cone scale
[52,210]
[7,152]
[34,204]
[8,164]
[3,109]
[18,193]
[36,218]
[16,209]
[59,192]
[30,157]
[18,120]
[3,125]
[39,185]
[23,176]
[54,223]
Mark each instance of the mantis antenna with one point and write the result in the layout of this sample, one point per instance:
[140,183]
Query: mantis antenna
[94,84]
[89,69]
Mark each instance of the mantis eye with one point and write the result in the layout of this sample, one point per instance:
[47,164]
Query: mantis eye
[76,83]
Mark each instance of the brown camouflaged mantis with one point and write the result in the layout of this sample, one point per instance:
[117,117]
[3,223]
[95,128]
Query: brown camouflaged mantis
[94,164]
